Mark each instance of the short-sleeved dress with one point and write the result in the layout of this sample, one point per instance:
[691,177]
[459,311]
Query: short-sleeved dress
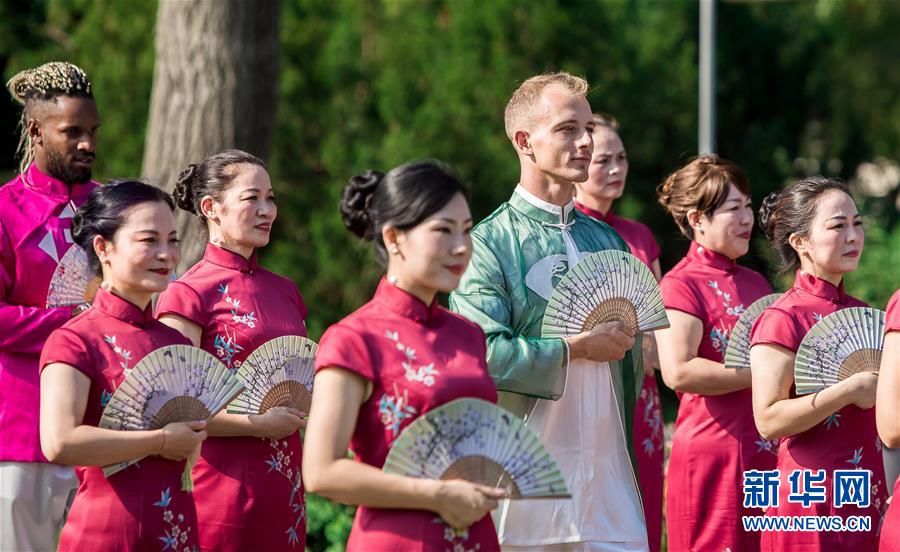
[890,529]
[248,491]
[417,357]
[715,435]
[647,430]
[143,506]
[846,440]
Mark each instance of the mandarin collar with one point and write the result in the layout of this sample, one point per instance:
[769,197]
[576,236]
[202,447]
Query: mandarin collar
[708,257]
[406,304]
[536,208]
[608,218]
[229,259]
[35,179]
[821,288]
[123,309]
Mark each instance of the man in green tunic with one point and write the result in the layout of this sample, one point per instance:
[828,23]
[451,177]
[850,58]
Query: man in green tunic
[577,393]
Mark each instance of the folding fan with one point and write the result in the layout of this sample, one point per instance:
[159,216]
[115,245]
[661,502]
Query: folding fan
[841,344]
[737,354]
[604,287]
[477,441]
[277,373]
[177,383]
[73,282]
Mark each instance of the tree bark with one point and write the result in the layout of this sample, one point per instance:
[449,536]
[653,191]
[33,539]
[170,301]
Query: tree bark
[214,87]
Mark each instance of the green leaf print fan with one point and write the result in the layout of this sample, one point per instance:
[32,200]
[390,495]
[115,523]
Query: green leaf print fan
[480,442]
[737,354]
[279,372]
[176,383]
[604,287]
[73,283]
[836,347]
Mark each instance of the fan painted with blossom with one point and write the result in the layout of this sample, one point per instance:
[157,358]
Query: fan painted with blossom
[279,372]
[176,383]
[737,354]
[841,344]
[603,287]
[73,282]
[477,441]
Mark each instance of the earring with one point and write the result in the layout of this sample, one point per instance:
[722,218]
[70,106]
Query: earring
[395,250]
[105,285]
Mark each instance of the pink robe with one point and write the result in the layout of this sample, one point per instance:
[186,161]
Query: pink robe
[715,436]
[35,216]
[890,528]
[143,507]
[647,430]
[417,357]
[848,439]
[248,490]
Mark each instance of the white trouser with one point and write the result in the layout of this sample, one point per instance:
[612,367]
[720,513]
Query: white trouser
[33,498]
[592,546]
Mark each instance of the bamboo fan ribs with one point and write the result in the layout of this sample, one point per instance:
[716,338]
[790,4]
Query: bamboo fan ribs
[279,372]
[73,283]
[177,383]
[480,442]
[737,354]
[836,347]
[603,287]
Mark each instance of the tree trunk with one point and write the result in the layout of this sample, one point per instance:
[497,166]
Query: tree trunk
[214,87]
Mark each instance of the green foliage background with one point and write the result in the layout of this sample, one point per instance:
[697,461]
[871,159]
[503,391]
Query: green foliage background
[804,88]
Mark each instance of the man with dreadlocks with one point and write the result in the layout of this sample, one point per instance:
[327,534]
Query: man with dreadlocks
[59,129]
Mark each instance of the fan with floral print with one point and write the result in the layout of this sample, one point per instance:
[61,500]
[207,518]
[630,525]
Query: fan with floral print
[737,354]
[176,383]
[279,372]
[480,442]
[841,344]
[603,287]
[73,283]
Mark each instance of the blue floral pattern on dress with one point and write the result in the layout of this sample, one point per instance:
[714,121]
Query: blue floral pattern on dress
[394,409]
[176,537]
[248,320]
[425,373]
[281,461]
[456,538]
[122,352]
[226,347]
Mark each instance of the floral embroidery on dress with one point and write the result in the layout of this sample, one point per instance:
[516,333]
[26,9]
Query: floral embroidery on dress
[767,445]
[726,297]
[248,320]
[226,348]
[281,461]
[456,538]
[394,409]
[105,396]
[653,420]
[425,374]
[817,317]
[857,457]
[176,537]
[834,420]
[719,338]
[124,353]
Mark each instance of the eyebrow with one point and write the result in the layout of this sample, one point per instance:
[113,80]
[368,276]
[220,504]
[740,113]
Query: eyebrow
[566,122]
[452,221]
[843,217]
[146,231]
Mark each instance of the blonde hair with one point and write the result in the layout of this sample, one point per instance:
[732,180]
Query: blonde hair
[524,101]
[606,120]
[44,83]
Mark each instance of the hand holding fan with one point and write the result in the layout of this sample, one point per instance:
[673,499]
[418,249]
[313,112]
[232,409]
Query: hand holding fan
[479,442]
[603,287]
[737,354]
[73,283]
[177,383]
[279,372]
[840,345]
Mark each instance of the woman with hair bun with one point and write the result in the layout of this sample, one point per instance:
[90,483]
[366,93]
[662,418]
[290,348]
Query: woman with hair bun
[595,198]
[128,232]
[715,439]
[369,381]
[247,483]
[815,227]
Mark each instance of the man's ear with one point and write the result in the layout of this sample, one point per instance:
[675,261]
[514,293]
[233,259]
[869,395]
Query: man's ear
[34,131]
[522,141]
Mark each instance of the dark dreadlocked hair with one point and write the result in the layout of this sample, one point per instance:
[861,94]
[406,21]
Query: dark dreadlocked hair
[44,84]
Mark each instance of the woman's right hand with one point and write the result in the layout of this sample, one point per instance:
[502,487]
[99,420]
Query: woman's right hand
[863,387]
[278,422]
[180,439]
[461,503]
